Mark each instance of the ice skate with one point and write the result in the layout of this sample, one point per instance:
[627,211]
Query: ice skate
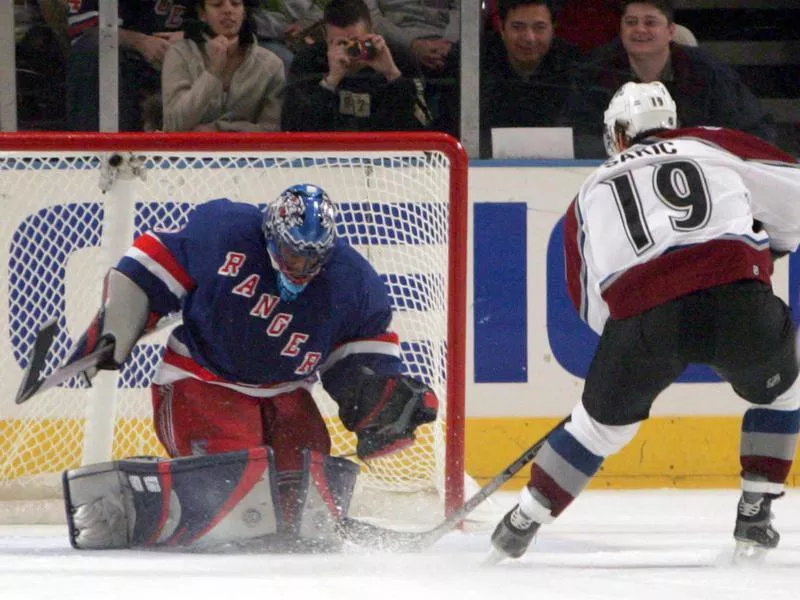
[754,533]
[512,536]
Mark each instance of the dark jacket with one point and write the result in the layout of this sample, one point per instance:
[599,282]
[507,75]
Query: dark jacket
[706,92]
[364,101]
[507,100]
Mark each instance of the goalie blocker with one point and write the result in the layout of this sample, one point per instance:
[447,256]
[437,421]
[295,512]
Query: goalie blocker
[230,500]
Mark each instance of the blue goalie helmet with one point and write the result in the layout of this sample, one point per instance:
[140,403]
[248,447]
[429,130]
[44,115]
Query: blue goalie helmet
[300,231]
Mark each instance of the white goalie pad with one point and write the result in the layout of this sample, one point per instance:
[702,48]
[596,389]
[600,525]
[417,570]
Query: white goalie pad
[222,501]
[100,516]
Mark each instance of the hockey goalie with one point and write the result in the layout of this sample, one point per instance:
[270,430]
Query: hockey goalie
[271,303]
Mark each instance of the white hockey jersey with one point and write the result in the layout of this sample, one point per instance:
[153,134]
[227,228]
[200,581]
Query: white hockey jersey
[684,210]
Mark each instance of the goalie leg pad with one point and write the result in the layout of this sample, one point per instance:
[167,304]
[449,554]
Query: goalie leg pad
[210,502]
[197,502]
[98,508]
[325,491]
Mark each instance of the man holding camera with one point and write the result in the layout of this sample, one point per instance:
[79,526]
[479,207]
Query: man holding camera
[351,82]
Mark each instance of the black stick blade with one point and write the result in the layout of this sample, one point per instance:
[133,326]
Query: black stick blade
[32,379]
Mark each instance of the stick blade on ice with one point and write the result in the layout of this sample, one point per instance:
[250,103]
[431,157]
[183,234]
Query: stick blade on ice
[32,379]
[34,383]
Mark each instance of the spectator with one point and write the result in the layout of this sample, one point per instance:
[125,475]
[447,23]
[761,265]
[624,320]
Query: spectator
[526,74]
[284,26]
[30,15]
[350,81]
[604,15]
[218,78]
[706,90]
[147,30]
[428,31]
[42,47]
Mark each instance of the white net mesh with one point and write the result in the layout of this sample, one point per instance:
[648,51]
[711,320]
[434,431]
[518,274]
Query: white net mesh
[393,207]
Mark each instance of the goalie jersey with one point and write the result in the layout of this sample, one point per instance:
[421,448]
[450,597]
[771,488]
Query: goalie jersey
[684,210]
[236,330]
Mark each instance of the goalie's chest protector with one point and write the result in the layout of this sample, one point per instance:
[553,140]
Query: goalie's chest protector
[240,324]
[234,321]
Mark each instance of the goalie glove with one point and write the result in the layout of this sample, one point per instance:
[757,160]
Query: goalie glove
[385,410]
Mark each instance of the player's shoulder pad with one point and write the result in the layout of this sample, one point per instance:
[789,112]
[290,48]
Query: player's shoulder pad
[739,143]
[226,206]
[351,276]
[347,261]
[223,214]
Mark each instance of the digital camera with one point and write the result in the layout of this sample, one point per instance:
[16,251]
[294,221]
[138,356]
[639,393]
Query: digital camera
[361,49]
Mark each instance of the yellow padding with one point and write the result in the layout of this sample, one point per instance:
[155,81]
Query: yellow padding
[31,447]
[684,452]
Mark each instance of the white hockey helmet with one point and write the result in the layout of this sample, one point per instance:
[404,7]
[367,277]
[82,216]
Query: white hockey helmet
[637,107]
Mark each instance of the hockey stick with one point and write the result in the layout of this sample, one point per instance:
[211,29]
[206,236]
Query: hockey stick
[374,536]
[32,380]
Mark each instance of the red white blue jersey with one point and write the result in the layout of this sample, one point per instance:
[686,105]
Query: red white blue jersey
[684,210]
[236,330]
[145,16]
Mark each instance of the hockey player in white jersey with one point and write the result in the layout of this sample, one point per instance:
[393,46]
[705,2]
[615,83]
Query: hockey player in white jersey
[669,253]
[270,303]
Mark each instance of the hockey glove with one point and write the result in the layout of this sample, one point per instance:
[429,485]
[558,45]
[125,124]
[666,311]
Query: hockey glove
[386,410]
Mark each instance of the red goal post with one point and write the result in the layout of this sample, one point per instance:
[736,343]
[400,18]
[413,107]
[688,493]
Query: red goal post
[70,213]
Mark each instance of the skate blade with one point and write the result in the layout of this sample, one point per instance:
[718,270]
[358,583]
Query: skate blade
[748,553]
[495,557]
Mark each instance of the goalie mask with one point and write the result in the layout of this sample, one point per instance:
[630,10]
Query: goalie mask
[636,108]
[300,231]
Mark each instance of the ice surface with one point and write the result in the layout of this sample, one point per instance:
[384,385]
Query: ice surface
[643,545]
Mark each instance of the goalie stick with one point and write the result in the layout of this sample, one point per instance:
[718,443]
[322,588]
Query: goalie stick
[374,536]
[33,382]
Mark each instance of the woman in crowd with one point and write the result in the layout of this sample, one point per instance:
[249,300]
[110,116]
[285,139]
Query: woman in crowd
[218,78]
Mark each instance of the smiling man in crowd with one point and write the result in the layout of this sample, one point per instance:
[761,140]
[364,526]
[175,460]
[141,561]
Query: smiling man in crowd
[706,90]
[526,70]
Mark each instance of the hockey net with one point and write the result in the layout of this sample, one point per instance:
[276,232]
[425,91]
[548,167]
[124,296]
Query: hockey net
[69,214]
